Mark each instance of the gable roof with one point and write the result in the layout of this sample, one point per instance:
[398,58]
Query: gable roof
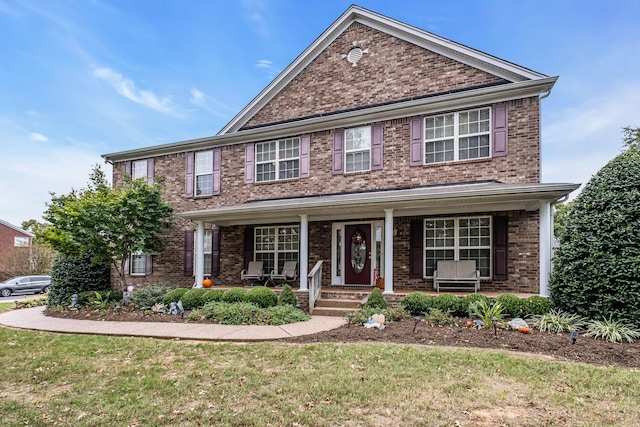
[456,51]
[16,228]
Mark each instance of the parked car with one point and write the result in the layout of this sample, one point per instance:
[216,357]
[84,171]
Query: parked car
[25,285]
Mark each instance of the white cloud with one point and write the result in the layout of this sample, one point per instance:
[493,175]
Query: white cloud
[255,13]
[210,104]
[267,66]
[38,137]
[127,88]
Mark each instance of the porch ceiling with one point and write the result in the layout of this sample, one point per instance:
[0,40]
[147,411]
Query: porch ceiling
[433,200]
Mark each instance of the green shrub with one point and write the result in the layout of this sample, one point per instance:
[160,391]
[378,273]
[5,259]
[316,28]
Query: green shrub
[596,266]
[511,305]
[237,313]
[234,295]
[287,297]
[193,298]
[470,299]
[391,314]
[75,275]
[212,295]
[556,321]
[417,303]
[32,302]
[262,297]
[486,312]
[101,298]
[449,303]
[173,296]
[150,295]
[376,300]
[437,317]
[536,305]
[280,315]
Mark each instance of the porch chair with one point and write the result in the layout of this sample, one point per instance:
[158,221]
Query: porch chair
[288,273]
[253,273]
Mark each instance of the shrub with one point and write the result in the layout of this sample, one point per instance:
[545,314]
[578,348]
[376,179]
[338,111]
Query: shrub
[32,302]
[102,298]
[376,300]
[75,275]
[281,315]
[438,317]
[212,295]
[511,305]
[361,316]
[238,313]
[536,305]
[150,295]
[262,297]
[612,330]
[173,296]
[287,297]
[234,295]
[417,303]
[556,321]
[471,298]
[193,298]
[486,312]
[449,303]
[596,266]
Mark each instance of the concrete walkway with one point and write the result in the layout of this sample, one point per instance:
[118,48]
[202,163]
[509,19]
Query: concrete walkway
[34,318]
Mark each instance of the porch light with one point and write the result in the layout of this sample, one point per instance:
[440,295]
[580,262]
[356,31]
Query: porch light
[350,316]
[416,321]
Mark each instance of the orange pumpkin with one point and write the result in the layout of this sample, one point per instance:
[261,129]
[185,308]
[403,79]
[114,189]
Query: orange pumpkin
[469,324]
[524,330]
[206,283]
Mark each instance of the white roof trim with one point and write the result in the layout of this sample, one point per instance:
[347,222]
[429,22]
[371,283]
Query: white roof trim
[491,64]
[443,199]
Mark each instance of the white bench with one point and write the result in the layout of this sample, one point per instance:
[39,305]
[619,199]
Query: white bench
[459,275]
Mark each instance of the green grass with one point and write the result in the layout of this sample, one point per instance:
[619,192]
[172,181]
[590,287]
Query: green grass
[83,380]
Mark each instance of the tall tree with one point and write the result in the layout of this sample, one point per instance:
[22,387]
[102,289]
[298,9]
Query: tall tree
[110,223]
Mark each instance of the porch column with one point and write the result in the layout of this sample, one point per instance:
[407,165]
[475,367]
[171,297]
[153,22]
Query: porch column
[304,252]
[199,254]
[388,251]
[546,233]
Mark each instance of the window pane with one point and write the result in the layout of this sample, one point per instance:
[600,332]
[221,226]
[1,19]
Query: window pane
[289,169]
[265,172]
[204,185]
[204,162]
[358,161]
[137,264]
[139,169]
[275,245]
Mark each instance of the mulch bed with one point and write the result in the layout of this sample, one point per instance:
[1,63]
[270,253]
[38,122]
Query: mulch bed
[551,346]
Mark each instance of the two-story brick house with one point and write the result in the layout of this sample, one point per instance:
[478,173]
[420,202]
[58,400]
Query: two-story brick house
[380,150]
[12,238]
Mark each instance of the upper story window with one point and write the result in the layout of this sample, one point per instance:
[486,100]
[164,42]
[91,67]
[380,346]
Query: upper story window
[277,160]
[204,173]
[139,169]
[458,136]
[21,242]
[357,149]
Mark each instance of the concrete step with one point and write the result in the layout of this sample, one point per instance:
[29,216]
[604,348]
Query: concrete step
[338,303]
[332,311]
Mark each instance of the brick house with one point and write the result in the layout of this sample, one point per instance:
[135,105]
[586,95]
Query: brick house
[380,150]
[11,238]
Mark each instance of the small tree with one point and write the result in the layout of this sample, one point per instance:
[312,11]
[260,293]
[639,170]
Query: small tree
[597,265]
[110,223]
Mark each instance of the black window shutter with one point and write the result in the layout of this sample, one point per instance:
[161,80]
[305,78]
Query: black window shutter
[416,260]
[500,247]
[215,252]
[248,246]
[188,253]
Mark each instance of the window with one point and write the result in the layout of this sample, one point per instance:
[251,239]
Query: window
[275,245]
[204,173]
[139,169]
[21,242]
[457,136]
[358,149]
[458,239]
[208,250]
[137,264]
[277,160]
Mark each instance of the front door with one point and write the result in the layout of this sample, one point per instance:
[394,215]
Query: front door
[357,254]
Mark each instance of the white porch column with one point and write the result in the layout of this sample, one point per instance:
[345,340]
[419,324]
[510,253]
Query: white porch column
[388,251]
[199,254]
[546,233]
[304,252]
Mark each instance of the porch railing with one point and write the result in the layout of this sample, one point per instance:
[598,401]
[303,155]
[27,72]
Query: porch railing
[315,285]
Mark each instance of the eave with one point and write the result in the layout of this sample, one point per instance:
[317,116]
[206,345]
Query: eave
[422,106]
[432,200]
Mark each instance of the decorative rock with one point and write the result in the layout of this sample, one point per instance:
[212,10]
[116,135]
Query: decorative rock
[478,324]
[516,323]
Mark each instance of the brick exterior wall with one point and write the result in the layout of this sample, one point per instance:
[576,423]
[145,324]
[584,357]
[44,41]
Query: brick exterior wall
[7,241]
[393,70]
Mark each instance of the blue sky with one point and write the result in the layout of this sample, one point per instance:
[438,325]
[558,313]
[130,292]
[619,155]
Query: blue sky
[82,78]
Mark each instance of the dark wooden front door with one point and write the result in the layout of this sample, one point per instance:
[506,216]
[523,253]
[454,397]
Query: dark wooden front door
[357,254]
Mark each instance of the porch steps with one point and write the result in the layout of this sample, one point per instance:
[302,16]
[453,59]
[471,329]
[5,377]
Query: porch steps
[332,303]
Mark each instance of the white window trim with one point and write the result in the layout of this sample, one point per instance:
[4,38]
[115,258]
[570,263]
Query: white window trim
[131,264]
[142,167]
[456,136]
[275,250]
[196,174]
[21,242]
[278,161]
[456,239]
[359,150]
